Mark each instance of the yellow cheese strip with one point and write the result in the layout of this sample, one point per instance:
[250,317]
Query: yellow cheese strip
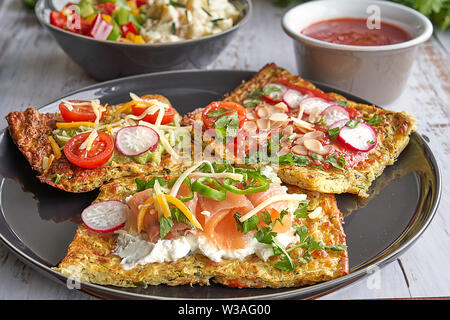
[185,210]
[66,125]
[142,212]
[55,147]
[163,204]
[48,163]
[125,108]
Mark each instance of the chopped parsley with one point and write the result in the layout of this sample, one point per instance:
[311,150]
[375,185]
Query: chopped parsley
[252,103]
[227,126]
[352,124]
[177,4]
[144,185]
[58,177]
[216,21]
[333,133]
[342,103]
[174,28]
[374,120]
[207,12]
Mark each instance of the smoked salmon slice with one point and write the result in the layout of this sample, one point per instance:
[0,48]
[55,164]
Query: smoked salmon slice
[216,217]
[220,226]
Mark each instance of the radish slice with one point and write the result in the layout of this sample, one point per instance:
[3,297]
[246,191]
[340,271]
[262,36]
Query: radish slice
[311,103]
[293,98]
[274,92]
[360,138]
[339,124]
[135,140]
[334,113]
[105,216]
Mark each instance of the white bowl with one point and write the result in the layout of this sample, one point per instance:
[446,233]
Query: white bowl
[375,73]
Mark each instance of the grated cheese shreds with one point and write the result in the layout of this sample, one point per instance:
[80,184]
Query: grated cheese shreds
[265,203]
[87,144]
[185,174]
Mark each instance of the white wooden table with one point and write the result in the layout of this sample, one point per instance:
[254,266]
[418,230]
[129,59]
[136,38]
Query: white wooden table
[34,70]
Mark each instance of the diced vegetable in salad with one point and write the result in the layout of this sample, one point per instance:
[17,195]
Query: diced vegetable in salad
[115,20]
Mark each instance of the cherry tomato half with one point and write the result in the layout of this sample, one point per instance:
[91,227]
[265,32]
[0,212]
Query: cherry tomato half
[101,150]
[226,108]
[82,112]
[169,113]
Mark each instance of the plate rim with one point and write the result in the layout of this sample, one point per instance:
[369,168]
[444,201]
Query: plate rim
[319,289]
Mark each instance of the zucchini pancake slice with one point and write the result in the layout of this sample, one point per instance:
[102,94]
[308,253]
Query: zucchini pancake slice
[315,140]
[87,144]
[211,224]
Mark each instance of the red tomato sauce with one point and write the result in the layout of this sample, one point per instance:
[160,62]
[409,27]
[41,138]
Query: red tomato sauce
[354,31]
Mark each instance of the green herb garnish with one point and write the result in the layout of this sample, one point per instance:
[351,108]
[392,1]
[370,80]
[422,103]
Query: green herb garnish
[207,12]
[374,120]
[58,177]
[216,21]
[177,4]
[333,133]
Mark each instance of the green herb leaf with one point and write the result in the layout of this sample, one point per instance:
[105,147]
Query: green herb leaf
[258,93]
[251,104]
[227,126]
[265,217]
[265,235]
[286,262]
[58,177]
[352,124]
[342,103]
[248,225]
[290,158]
[335,161]
[301,231]
[302,209]
[333,133]
[143,185]
[216,21]
[374,120]
[177,4]
[165,225]
[207,12]
[340,247]
[174,28]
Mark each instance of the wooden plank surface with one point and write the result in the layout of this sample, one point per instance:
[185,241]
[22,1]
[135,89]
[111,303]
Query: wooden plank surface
[34,70]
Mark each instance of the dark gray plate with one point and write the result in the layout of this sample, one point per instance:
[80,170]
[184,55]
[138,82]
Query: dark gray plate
[38,222]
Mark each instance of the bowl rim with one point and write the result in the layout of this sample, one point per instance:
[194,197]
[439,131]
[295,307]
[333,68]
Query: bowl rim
[242,21]
[422,37]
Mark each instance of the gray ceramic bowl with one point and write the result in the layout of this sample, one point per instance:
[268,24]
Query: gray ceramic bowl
[375,73]
[105,60]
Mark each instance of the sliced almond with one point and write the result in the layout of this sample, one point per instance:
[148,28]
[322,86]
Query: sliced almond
[300,112]
[300,124]
[249,126]
[299,150]
[314,115]
[251,115]
[276,124]
[299,140]
[313,145]
[283,151]
[326,150]
[281,106]
[263,112]
[263,124]
[316,213]
[279,117]
[287,131]
[314,135]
